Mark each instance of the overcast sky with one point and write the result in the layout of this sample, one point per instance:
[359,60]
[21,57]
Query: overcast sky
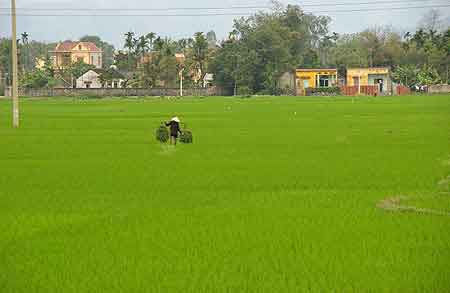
[112,28]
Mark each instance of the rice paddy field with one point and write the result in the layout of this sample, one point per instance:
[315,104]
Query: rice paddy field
[277,194]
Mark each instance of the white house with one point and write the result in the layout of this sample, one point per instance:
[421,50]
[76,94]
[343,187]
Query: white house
[93,79]
[208,80]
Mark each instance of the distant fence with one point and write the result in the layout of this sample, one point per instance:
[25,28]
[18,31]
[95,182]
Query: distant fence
[439,89]
[122,92]
[369,90]
[401,90]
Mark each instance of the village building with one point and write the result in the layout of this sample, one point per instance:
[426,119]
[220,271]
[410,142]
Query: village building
[208,80]
[375,76]
[99,78]
[68,52]
[181,58]
[315,78]
[39,63]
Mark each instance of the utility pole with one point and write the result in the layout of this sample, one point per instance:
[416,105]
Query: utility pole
[181,82]
[447,75]
[15,90]
[359,84]
[235,91]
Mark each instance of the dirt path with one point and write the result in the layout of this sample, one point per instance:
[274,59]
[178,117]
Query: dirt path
[394,204]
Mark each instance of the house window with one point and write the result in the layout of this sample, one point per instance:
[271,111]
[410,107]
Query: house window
[116,85]
[80,59]
[324,81]
[66,59]
[79,47]
[92,60]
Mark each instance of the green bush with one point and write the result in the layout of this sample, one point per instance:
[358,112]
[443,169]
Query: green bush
[244,91]
[91,97]
[287,91]
[325,91]
[186,136]
[162,134]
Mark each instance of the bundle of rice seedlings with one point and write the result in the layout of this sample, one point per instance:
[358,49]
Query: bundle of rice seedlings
[162,134]
[186,136]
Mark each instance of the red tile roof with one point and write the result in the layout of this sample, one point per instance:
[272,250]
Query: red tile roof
[65,46]
[68,46]
[91,46]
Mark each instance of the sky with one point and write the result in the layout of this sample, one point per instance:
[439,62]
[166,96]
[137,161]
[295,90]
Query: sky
[112,28]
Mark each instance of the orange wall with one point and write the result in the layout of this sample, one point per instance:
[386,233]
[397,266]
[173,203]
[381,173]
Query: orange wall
[311,76]
[362,74]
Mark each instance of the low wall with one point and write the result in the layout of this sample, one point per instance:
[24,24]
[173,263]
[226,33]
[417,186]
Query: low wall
[122,92]
[369,90]
[439,89]
[402,90]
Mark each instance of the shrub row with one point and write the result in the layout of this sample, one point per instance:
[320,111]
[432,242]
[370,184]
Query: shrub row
[326,91]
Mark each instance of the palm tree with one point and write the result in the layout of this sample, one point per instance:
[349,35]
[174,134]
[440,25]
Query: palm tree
[150,37]
[143,45]
[129,45]
[136,46]
[24,38]
[158,44]
[184,44]
[129,40]
[168,49]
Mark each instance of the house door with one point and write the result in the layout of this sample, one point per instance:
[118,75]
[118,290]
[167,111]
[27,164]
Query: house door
[305,83]
[356,81]
[380,82]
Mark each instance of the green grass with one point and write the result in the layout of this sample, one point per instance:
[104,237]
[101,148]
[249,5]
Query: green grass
[263,201]
[438,203]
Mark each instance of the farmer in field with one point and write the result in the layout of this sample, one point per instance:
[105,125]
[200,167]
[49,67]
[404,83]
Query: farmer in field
[175,129]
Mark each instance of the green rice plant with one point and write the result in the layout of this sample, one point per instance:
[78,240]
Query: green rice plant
[277,194]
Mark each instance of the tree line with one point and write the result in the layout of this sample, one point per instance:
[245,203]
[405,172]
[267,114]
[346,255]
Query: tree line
[264,46]
[258,50]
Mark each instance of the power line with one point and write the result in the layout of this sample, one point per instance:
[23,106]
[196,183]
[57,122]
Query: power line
[140,9]
[364,3]
[383,8]
[136,15]
[216,8]
[229,14]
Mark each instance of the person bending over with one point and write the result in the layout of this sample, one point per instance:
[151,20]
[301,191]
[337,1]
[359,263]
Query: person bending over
[174,125]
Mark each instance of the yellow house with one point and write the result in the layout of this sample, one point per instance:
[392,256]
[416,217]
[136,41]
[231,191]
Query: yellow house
[69,52]
[315,78]
[370,76]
